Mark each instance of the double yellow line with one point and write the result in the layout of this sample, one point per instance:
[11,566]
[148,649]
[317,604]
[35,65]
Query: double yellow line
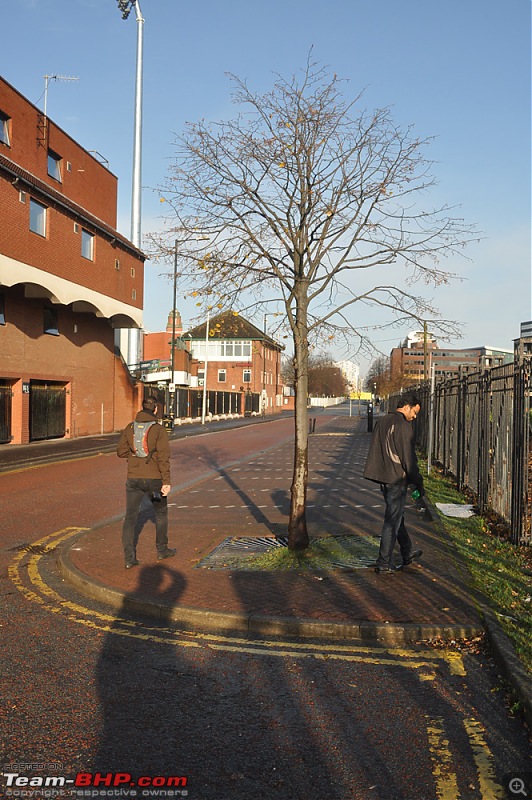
[425,661]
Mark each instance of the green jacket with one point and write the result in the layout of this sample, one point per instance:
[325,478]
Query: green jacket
[157,464]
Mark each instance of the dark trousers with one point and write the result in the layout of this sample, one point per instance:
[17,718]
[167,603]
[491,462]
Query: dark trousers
[393,529]
[136,489]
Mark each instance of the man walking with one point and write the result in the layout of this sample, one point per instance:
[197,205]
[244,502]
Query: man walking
[392,462]
[145,445]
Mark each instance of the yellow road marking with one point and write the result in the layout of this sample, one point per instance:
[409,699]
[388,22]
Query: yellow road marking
[483,760]
[444,776]
[47,597]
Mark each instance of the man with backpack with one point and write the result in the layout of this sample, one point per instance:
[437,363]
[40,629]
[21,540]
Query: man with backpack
[145,445]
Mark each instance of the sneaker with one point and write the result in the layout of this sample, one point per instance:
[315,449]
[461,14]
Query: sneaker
[414,555]
[386,570]
[132,563]
[168,553]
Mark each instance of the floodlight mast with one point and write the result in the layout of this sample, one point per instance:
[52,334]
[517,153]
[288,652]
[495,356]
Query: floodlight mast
[125,7]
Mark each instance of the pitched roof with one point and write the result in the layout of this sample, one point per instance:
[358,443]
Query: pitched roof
[230,325]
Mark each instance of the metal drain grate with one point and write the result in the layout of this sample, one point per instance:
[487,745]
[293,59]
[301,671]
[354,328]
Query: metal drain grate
[358,552]
[36,549]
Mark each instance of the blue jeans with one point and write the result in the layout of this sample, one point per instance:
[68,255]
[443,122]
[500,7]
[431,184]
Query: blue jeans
[136,489]
[393,529]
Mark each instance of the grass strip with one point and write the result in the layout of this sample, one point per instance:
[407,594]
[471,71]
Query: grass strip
[501,571]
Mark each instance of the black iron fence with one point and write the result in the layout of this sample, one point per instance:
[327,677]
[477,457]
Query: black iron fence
[477,428]
[189,402]
[5,412]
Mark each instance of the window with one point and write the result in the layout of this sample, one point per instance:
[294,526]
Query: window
[87,245]
[222,376]
[50,322]
[2,310]
[246,376]
[37,218]
[4,129]
[134,294]
[54,165]
[117,263]
[132,272]
[22,196]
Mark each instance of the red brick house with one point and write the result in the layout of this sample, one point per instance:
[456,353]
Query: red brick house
[243,368]
[240,358]
[67,280]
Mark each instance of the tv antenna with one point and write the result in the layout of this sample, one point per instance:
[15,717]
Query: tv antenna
[47,79]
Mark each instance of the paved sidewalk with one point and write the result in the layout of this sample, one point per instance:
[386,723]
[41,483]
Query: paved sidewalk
[251,499]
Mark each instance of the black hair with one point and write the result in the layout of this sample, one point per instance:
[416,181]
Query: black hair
[408,399]
[149,403]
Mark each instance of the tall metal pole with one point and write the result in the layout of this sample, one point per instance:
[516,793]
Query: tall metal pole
[133,337]
[172,349]
[136,200]
[204,400]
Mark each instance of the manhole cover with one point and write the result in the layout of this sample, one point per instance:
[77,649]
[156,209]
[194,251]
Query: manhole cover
[348,551]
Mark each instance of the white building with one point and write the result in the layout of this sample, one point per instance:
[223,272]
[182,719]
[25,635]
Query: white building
[351,373]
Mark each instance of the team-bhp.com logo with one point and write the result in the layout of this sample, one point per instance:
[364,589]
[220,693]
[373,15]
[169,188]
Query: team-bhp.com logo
[95,784]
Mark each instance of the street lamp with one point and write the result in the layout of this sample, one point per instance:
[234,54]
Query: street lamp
[125,6]
[172,347]
[204,399]
[264,395]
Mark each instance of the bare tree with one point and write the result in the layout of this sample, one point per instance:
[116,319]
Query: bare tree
[380,379]
[324,378]
[298,194]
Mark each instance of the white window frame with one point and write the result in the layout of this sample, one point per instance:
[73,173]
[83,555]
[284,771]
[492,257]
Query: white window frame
[222,376]
[87,245]
[4,129]
[245,372]
[219,349]
[38,218]
[54,166]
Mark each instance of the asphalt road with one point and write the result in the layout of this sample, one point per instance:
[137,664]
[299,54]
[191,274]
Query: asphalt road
[88,692]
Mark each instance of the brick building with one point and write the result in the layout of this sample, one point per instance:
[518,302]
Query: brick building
[419,352]
[243,367]
[240,358]
[67,280]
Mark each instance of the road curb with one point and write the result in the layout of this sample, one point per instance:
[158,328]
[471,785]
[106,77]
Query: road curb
[508,662]
[221,621]
[504,653]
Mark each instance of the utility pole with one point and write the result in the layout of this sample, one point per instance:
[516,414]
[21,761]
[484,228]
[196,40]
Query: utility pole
[125,6]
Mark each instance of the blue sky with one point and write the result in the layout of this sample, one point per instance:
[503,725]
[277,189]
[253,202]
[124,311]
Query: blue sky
[458,70]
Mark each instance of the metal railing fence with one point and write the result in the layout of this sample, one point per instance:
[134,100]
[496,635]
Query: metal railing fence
[477,428]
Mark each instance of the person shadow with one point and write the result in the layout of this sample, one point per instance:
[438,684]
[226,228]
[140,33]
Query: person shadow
[139,678]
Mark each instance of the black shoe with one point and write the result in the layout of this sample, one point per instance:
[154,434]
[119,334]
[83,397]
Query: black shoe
[130,564]
[414,555]
[168,553]
[386,570]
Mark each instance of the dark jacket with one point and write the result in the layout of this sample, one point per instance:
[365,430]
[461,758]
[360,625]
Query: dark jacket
[392,455]
[157,464]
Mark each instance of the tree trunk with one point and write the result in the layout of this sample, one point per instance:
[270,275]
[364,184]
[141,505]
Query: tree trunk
[297,525]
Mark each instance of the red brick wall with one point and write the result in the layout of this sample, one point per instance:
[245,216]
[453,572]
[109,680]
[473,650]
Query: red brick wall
[157,346]
[59,252]
[101,394]
[89,183]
